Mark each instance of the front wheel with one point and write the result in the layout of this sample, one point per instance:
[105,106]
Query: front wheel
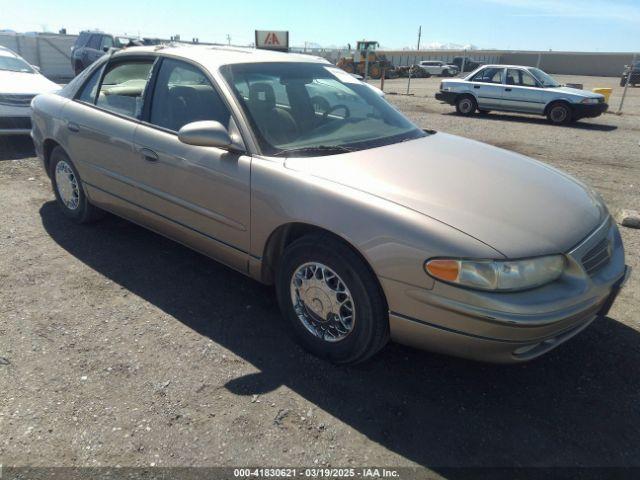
[68,190]
[331,300]
[466,105]
[559,114]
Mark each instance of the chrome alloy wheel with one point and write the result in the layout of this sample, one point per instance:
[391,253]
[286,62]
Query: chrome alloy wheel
[322,302]
[67,185]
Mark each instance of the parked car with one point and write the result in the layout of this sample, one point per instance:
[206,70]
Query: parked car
[415,71]
[466,62]
[19,83]
[90,46]
[370,227]
[633,73]
[514,88]
[437,67]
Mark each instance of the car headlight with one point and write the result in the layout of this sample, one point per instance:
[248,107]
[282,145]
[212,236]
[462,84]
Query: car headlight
[497,274]
[589,101]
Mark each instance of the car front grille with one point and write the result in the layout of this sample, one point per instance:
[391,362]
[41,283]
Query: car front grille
[15,100]
[597,257]
[15,123]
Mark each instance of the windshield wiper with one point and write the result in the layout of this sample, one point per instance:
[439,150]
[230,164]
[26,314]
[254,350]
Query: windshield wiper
[319,149]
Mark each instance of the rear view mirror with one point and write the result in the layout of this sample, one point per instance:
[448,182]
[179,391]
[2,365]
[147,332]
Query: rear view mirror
[205,133]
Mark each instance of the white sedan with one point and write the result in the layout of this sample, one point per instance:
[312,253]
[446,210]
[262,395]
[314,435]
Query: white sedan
[19,83]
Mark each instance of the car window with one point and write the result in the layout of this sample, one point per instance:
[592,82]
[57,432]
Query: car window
[520,77]
[94,41]
[489,75]
[82,39]
[183,94]
[299,108]
[88,92]
[14,64]
[107,42]
[123,86]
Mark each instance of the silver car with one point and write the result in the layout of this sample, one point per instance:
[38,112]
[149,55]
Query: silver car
[296,174]
[514,88]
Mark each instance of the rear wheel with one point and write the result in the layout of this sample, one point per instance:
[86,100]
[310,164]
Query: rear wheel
[331,300]
[466,105]
[67,187]
[559,114]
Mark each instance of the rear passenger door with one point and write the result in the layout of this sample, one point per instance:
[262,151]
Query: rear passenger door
[203,193]
[100,123]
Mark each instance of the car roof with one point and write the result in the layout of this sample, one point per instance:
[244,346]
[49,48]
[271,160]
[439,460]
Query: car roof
[507,66]
[213,56]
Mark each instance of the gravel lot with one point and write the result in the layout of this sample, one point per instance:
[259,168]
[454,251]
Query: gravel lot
[120,347]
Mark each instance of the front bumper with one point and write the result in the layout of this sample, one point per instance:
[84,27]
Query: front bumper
[437,338]
[581,110]
[15,125]
[508,327]
[15,120]
[447,97]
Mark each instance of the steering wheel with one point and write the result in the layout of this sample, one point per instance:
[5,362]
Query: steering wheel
[347,112]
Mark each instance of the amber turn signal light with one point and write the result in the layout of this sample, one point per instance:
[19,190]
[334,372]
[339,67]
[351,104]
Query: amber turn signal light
[446,270]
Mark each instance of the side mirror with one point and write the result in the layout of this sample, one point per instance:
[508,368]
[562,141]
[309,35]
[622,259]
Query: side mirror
[105,49]
[205,133]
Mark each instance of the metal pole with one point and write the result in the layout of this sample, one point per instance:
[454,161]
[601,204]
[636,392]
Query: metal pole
[626,85]
[366,64]
[539,59]
[419,35]
[464,59]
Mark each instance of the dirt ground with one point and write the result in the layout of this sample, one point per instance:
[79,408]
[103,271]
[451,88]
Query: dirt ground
[119,347]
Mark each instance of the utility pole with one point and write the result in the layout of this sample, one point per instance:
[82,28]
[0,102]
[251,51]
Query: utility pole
[228,39]
[626,85]
[419,35]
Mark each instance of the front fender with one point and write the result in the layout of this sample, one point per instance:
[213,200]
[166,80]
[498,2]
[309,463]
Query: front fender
[393,239]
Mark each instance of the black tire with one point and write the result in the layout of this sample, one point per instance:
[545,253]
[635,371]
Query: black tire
[623,82]
[446,73]
[370,327]
[84,212]
[559,114]
[466,105]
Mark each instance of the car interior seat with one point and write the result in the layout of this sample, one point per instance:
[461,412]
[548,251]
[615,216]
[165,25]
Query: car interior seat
[276,123]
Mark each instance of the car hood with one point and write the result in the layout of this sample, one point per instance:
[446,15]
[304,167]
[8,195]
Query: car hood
[25,83]
[574,91]
[517,205]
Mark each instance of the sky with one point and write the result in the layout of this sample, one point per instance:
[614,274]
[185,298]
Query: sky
[570,25]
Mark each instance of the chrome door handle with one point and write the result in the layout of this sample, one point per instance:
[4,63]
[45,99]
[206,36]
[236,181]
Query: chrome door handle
[476,86]
[149,155]
[73,127]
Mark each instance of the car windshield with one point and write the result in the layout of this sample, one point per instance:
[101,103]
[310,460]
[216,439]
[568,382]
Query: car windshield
[544,79]
[309,109]
[14,64]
